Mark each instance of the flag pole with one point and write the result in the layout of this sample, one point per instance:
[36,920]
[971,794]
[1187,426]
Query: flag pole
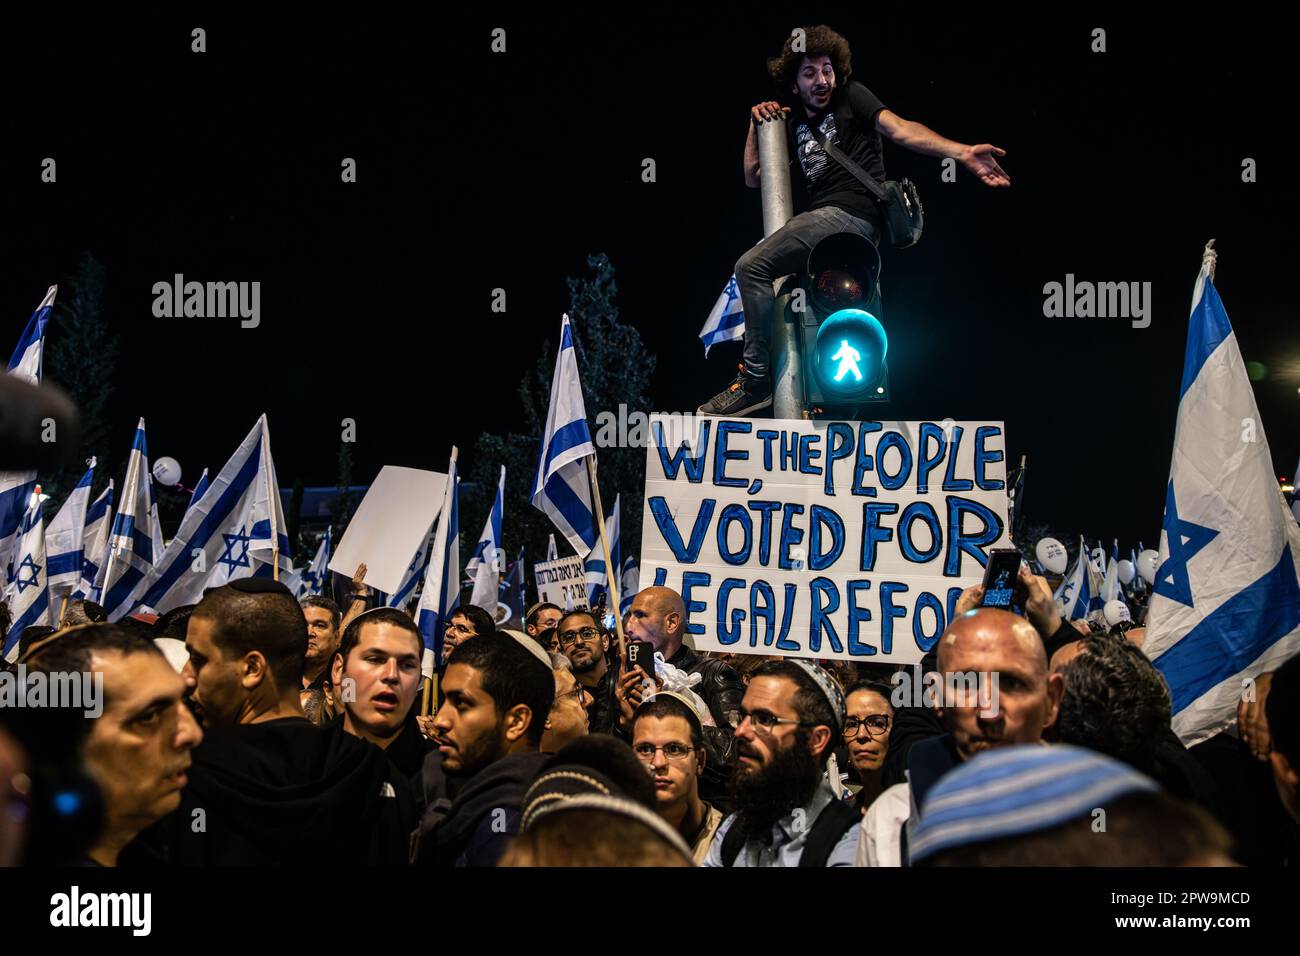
[611,587]
[272,501]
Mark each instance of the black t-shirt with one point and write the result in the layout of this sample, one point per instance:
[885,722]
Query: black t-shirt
[850,123]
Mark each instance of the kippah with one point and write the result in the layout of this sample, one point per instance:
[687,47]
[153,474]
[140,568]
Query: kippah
[530,645]
[621,806]
[690,704]
[259,586]
[829,687]
[1011,791]
[562,783]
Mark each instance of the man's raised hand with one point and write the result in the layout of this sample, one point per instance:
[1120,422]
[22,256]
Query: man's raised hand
[766,111]
[981,161]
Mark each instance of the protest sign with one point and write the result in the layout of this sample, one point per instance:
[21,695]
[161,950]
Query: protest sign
[562,582]
[847,540]
[389,525]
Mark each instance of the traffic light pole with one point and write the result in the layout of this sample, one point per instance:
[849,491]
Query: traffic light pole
[778,207]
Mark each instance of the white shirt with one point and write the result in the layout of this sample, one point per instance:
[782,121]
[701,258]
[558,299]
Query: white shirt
[878,836]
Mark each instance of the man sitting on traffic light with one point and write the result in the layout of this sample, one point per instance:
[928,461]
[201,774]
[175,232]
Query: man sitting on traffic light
[850,116]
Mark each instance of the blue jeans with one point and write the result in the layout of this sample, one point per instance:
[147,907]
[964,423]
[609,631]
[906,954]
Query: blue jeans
[783,253]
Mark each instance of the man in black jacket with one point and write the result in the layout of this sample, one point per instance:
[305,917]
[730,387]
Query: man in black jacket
[267,787]
[488,732]
[813,73]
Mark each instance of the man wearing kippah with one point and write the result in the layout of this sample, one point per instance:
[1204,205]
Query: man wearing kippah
[787,813]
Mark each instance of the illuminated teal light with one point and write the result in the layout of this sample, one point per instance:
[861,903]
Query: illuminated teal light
[848,357]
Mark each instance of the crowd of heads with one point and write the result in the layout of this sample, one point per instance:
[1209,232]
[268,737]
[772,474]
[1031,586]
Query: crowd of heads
[1081,724]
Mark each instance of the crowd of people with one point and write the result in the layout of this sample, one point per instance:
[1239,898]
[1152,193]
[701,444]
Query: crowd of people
[255,729]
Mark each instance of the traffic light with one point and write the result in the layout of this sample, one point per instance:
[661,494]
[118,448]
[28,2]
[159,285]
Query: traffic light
[843,344]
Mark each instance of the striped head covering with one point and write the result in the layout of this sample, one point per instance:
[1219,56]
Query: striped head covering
[829,686]
[1012,791]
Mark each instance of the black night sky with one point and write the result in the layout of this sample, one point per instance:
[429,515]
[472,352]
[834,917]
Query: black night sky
[478,170]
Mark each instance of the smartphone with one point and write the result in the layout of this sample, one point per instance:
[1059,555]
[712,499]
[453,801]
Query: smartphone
[642,654]
[1002,581]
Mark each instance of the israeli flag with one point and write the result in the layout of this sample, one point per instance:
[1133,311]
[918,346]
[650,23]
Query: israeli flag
[131,542]
[95,541]
[562,490]
[726,322]
[484,566]
[414,573]
[512,589]
[200,487]
[629,584]
[1110,587]
[26,591]
[597,580]
[441,594]
[155,526]
[1074,596]
[236,530]
[65,537]
[1225,606]
[552,552]
[313,577]
[1295,495]
[16,486]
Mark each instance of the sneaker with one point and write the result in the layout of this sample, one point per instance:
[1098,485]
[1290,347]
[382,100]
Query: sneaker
[741,397]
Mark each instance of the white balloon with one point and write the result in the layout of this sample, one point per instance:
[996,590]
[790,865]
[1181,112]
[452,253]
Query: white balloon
[1116,611]
[167,471]
[1052,555]
[1126,571]
[1148,562]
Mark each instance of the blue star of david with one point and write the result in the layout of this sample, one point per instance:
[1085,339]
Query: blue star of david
[733,293]
[1185,539]
[27,565]
[229,557]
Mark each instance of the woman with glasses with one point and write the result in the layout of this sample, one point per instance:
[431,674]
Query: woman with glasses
[866,736]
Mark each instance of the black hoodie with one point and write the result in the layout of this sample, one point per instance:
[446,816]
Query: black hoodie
[287,792]
[460,824]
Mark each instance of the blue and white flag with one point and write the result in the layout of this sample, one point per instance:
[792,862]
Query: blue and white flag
[313,577]
[484,566]
[131,546]
[726,322]
[1074,596]
[629,584]
[26,591]
[562,490]
[552,552]
[512,590]
[414,573]
[441,594]
[1225,606]
[1110,585]
[16,486]
[200,487]
[236,530]
[65,537]
[95,543]
[155,526]
[594,565]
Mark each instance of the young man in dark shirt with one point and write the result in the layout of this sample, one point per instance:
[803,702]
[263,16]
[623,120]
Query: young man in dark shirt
[850,116]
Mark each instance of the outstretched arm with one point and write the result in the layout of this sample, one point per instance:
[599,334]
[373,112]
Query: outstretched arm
[980,160]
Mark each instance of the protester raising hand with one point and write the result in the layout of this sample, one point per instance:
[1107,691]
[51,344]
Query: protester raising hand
[360,592]
[1252,721]
[629,692]
[1040,606]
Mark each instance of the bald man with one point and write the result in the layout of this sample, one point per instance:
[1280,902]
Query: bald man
[658,615]
[1002,655]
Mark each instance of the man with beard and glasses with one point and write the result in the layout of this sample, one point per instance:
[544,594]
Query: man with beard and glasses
[1009,697]
[585,644]
[787,813]
[499,691]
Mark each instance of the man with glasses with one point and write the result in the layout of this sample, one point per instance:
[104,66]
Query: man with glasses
[866,735]
[787,813]
[567,720]
[585,644]
[465,622]
[668,737]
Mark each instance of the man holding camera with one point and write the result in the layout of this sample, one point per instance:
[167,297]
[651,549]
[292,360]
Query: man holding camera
[814,69]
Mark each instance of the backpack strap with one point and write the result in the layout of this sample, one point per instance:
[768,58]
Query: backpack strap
[732,844]
[835,820]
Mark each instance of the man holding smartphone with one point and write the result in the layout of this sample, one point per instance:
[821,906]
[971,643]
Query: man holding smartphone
[816,77]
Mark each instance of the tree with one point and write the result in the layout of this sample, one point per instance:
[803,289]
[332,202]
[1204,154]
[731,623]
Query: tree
[615,371]
[81,358]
